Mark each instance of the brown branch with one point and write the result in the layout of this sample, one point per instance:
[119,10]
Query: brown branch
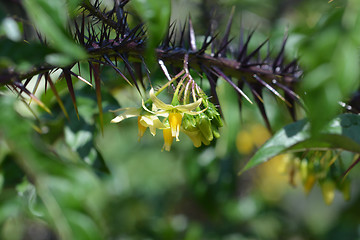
[230,67]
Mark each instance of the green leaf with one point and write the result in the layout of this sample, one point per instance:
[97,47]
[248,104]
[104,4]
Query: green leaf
[341,133]
[73,6]
[21,55]
[329,57]
[61,186]
[51,18]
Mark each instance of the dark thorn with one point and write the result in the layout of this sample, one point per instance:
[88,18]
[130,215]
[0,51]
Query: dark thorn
[131,71]
[218,72]
[53,88]
[107,59]
[243,50]
[257,92]
[280,57]
[213,80]
[269,87]
[225,41]
[223,49]
[192,39]
[67,75]
[252,54]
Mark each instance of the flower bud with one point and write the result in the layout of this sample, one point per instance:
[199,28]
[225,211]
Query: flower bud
[205,127]
[309,183]
[345,188]
[204,140]
[213,114]
[304,170]
[328,190]
[195,137]
[215,131]
[189,123]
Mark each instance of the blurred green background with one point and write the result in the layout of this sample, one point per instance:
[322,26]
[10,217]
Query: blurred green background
[64,179]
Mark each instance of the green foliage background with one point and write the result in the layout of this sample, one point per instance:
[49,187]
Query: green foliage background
[63,179]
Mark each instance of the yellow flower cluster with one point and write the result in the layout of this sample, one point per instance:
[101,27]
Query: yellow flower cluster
[322,167]
[198,119]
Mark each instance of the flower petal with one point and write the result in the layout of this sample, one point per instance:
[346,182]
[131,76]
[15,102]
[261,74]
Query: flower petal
[145,108]
[168,139]
[158,103]
[162,113]
[120,109]
[141,129]
[196,113]
[152,122]
[189,107]
[129,112]
[175,122]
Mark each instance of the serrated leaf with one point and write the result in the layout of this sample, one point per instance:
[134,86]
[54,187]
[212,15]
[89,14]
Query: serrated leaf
[341,133]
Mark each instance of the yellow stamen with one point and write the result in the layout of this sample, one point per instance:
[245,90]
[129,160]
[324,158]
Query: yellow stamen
[141,128]
[168,139]
[175,122]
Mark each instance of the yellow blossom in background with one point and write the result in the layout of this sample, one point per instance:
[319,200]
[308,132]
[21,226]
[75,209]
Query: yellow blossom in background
[244,143]
[272,178]
[259,134]
[251,137]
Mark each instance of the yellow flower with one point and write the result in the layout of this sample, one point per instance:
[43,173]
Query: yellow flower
[146,120]
[175,113]
[152,122]
[168,139]
[141,128]
[175,123]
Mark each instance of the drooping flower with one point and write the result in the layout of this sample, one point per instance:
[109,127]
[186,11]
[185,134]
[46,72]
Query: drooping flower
[174,113]
[152,122]
[168,139]
[141,128]
[175,123]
